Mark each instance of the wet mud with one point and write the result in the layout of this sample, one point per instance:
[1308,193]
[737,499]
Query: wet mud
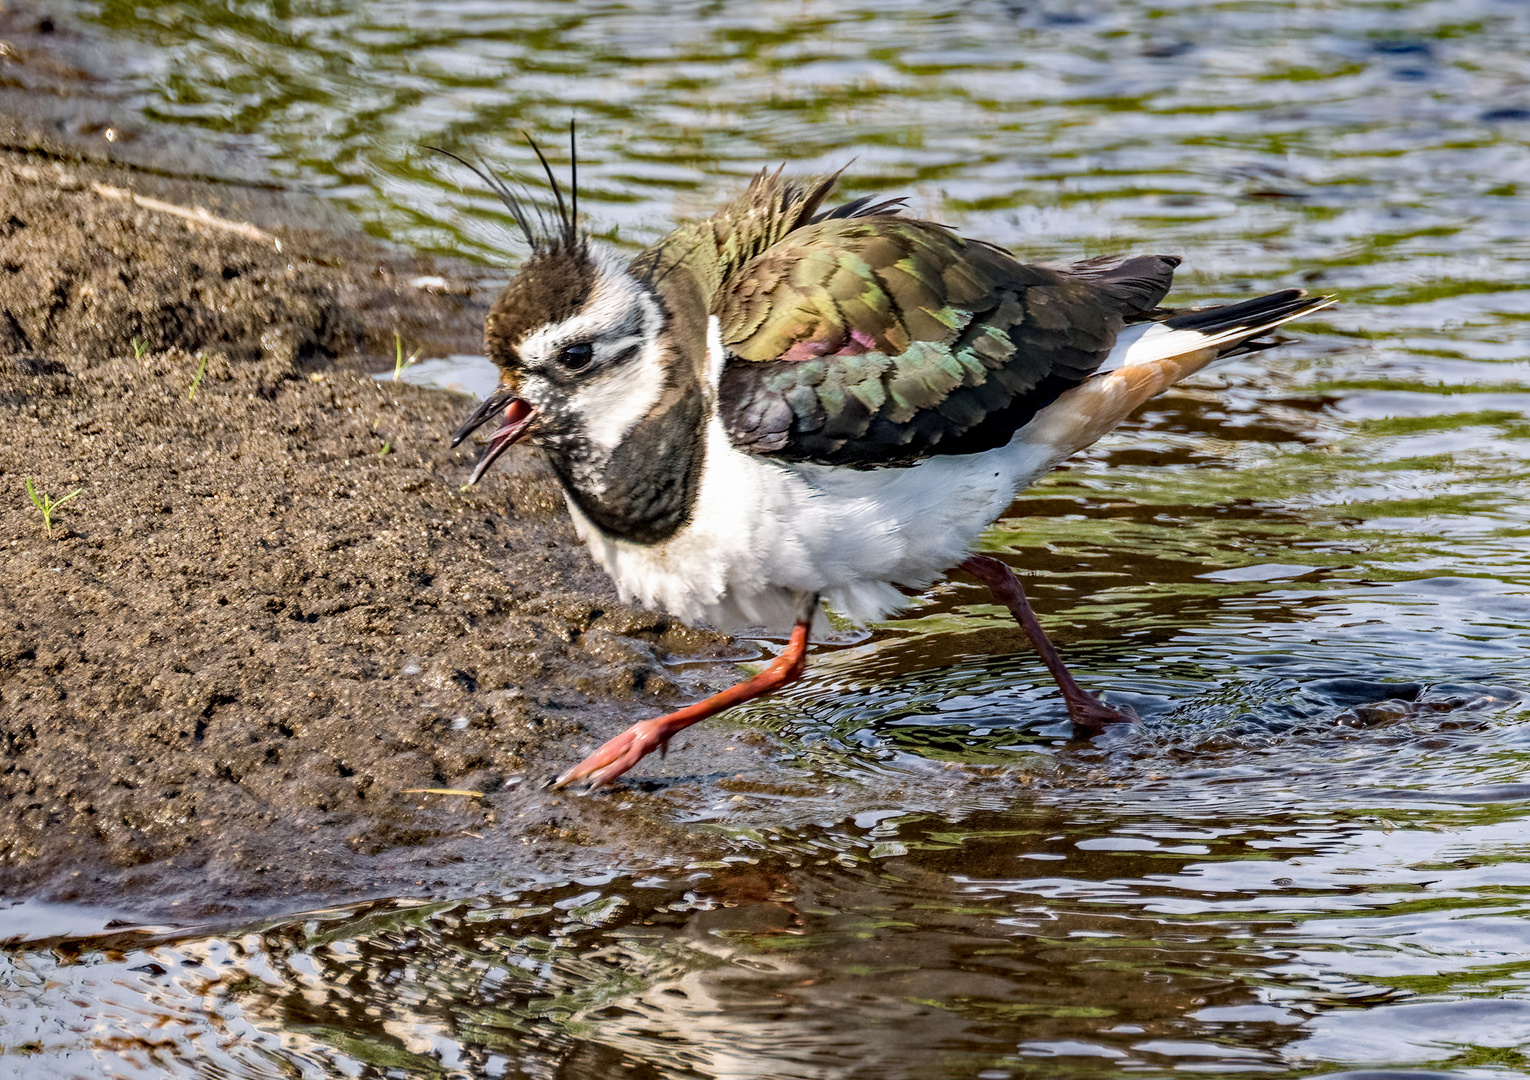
[270,619]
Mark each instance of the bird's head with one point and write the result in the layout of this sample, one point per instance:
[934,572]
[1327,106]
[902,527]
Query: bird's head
[602,365]
[584,353]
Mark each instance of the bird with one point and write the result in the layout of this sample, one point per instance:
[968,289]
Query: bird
[788,406]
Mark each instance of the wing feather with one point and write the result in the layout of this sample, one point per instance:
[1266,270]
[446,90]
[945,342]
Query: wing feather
[869,339]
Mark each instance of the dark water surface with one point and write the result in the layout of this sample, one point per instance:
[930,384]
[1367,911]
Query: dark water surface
[1310,571]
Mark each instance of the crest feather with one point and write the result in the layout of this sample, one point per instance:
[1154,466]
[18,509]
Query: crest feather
[542,231]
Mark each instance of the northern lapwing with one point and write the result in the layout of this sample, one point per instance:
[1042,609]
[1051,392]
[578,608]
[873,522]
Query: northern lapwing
[785,406]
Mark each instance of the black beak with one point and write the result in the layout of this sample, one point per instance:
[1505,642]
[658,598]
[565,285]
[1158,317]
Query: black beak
[512,426]
[488,407]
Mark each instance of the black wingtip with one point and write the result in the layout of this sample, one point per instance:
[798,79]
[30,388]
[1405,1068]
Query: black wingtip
[1138,283]
[1262,310]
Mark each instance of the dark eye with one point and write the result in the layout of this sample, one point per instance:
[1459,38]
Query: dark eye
[576,356]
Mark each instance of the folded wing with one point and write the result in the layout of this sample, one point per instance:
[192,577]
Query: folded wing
[868,339]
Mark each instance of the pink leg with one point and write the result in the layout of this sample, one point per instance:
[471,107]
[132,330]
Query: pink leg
[642,739]
[1084,709]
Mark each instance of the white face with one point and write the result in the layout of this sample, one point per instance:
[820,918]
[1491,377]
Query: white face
[595,375]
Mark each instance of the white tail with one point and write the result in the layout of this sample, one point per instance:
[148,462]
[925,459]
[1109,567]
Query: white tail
[1151,357]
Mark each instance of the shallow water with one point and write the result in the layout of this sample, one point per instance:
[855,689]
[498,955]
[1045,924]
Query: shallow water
[1308,571]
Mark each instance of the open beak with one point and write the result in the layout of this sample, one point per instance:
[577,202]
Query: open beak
[517,416]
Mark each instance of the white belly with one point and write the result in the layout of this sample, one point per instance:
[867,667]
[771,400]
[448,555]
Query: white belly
[764,530]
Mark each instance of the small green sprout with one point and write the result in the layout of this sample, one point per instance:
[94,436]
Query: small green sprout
[399,362]
[196,380]
[139,348]
[47,505]
[387,446]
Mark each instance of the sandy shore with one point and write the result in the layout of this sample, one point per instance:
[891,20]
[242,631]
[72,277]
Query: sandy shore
[271,615]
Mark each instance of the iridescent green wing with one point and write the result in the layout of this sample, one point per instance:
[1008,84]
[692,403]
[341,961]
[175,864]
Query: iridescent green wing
[879,340]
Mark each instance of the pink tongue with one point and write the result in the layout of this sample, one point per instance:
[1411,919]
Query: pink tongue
[510,423]
[512,426]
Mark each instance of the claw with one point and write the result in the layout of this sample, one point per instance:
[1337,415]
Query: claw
[618,755]
[1093,716]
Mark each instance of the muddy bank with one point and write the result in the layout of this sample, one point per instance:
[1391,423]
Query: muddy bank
[270,615]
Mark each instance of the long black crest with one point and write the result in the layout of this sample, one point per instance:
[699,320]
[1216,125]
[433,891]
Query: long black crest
[573,174]
[530,218]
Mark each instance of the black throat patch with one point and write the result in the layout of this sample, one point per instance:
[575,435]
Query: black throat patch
[645,490]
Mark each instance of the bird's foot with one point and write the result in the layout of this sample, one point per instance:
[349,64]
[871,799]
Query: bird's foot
[642,739]
[619,754]
[1092,716]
